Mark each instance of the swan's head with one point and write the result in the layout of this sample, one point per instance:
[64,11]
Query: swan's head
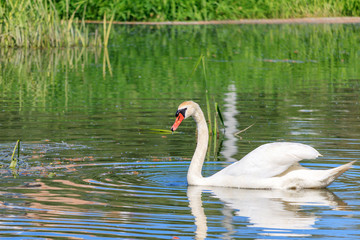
[185,110]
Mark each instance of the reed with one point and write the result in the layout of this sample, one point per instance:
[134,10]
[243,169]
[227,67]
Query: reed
[37,24]
[107,28]
[211,108]
[206,94]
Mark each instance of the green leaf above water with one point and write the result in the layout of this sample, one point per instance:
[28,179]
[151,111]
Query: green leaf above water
[161,131]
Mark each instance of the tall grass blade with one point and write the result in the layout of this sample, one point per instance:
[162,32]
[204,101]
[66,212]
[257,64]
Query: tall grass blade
[204,71]
[215,133]
[104,26]
[206,93]
[107,29]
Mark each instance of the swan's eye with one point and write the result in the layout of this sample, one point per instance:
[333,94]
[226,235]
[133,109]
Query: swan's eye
[182,111]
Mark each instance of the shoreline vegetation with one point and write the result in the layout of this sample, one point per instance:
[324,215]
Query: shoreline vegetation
[208,10]
[312,20]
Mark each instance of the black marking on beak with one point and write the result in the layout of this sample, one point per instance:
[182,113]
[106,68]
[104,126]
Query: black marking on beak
[182,111]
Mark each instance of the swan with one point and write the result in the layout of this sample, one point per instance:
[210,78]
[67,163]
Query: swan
[270,166]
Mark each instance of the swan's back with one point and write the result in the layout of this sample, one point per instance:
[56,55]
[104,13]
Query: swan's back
[271,159]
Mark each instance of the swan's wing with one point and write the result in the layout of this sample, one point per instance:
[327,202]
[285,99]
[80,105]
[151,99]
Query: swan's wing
[271,159]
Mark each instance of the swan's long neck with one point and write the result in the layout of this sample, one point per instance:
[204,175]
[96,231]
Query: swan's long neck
[194,176]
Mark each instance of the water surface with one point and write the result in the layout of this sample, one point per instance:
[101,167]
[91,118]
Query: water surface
[94,164]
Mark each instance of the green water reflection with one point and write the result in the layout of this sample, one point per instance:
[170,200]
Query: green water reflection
[157,61]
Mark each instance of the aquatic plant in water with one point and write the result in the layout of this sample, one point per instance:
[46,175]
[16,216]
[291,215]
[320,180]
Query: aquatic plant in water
[212,119]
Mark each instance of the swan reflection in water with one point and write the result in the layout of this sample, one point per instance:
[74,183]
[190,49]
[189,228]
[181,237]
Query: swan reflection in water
[276,212]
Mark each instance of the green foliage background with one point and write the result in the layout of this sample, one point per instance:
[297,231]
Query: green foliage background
[182,10]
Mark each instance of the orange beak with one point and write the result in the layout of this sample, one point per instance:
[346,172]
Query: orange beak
[178,120]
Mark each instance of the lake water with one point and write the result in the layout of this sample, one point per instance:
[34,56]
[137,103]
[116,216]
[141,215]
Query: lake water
[95,164]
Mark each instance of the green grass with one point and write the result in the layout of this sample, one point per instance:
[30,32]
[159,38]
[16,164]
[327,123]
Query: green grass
[37,24]
[180,10]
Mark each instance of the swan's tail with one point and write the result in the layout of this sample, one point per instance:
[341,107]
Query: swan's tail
[332,174]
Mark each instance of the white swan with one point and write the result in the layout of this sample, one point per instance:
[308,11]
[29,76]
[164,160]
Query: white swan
[270,166]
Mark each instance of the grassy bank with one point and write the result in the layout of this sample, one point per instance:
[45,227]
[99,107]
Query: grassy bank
[197,10]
